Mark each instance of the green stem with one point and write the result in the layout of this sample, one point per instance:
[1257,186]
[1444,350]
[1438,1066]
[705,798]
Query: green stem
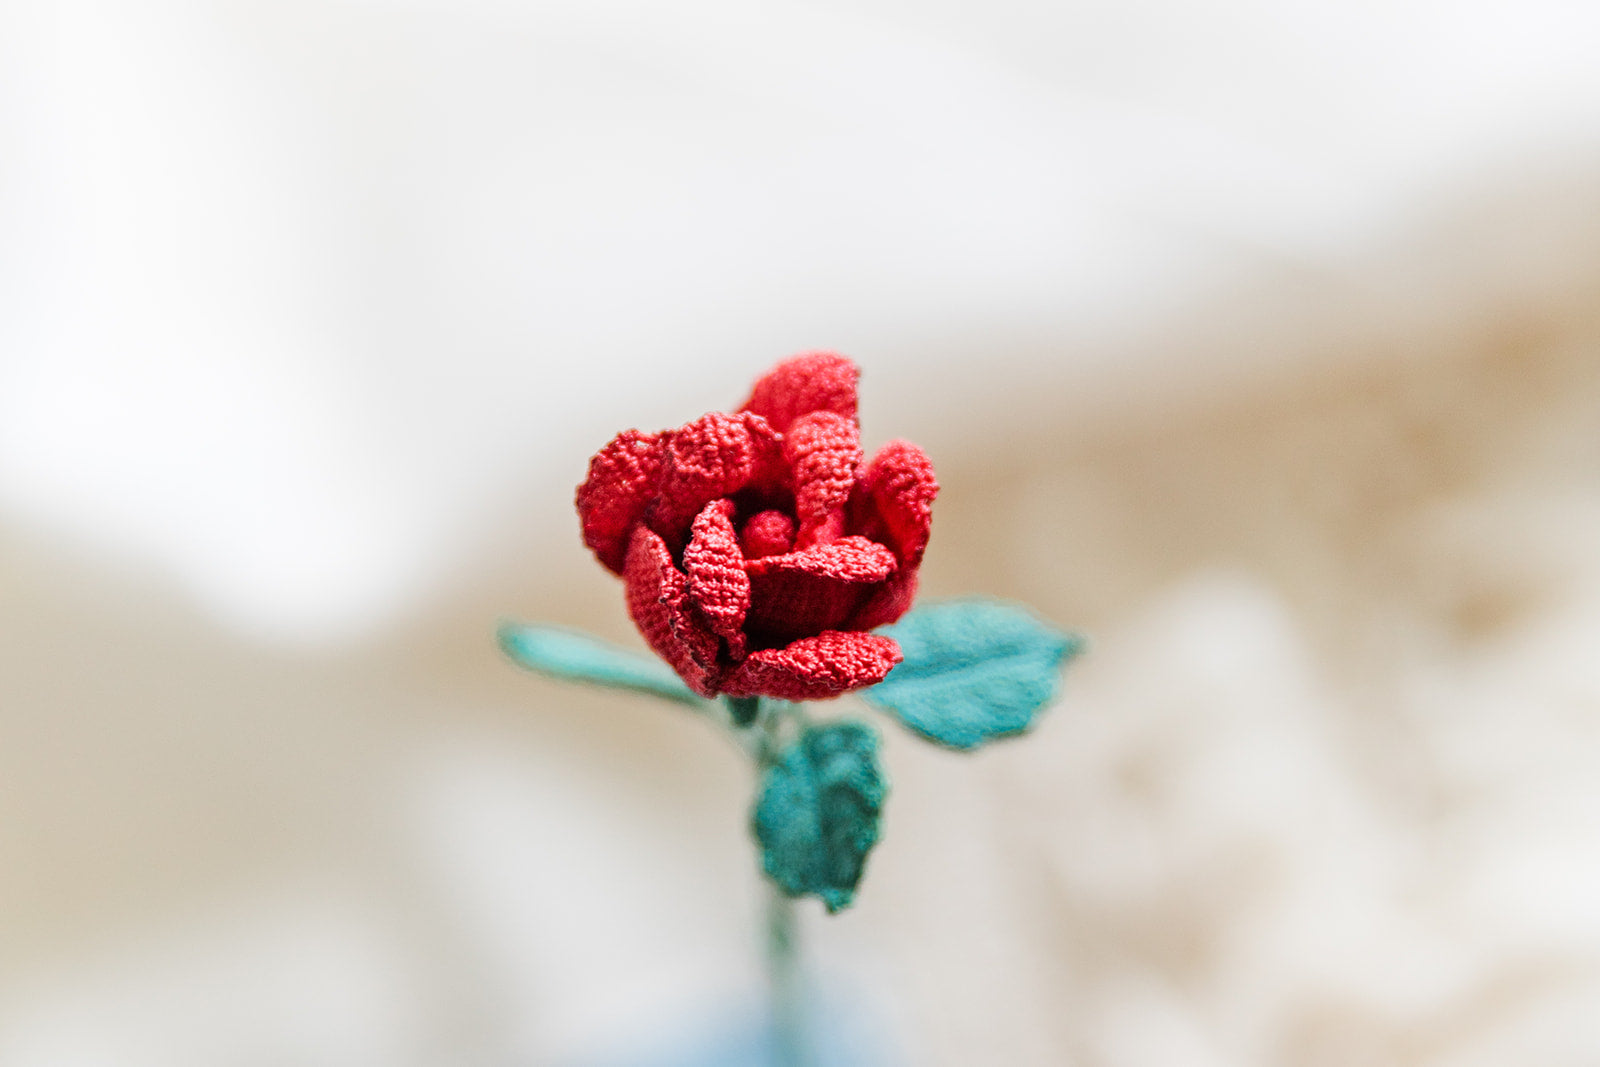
[767,722]
[743,710]
[783,973]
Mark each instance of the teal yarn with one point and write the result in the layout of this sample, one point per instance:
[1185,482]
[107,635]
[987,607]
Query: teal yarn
[974,670]
[576,657]
[817,814]
[742,711]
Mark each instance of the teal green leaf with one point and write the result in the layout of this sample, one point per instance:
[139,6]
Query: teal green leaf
[974,671]
[577,657]
[817,814]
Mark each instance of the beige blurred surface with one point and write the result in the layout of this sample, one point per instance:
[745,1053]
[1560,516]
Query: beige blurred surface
[1325,792]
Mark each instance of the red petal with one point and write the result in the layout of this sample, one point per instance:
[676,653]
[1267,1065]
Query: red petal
[815,668]
[657,600]
[823,451]
[895,502]
[817,381]
[717,581]
[767,533]
[622,481]
[806,592]
[887,603]
[849,559]
[711,457]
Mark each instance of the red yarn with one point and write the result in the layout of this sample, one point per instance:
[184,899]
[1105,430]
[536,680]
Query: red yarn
[757,547]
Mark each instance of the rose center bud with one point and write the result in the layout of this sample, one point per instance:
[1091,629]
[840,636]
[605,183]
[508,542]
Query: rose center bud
[767,533]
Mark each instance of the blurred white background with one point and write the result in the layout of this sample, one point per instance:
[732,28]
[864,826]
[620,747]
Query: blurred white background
[1259,340]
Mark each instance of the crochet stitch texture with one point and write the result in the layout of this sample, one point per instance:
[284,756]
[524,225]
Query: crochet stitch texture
[758,547]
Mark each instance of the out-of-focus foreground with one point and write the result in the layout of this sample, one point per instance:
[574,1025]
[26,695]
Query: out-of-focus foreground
[1262,347]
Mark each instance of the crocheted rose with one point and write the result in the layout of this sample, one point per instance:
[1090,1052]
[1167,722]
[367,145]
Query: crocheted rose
[758,547]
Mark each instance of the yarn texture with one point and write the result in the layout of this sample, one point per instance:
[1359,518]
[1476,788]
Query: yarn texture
[759,547]
[817,814]
[576,657]
[974,671]
[767,562]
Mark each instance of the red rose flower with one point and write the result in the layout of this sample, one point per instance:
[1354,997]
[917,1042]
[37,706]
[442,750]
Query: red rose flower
[758,547]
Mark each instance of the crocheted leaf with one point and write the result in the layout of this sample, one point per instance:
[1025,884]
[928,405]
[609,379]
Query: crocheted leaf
[817,815]
[576,657]
[974,671]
